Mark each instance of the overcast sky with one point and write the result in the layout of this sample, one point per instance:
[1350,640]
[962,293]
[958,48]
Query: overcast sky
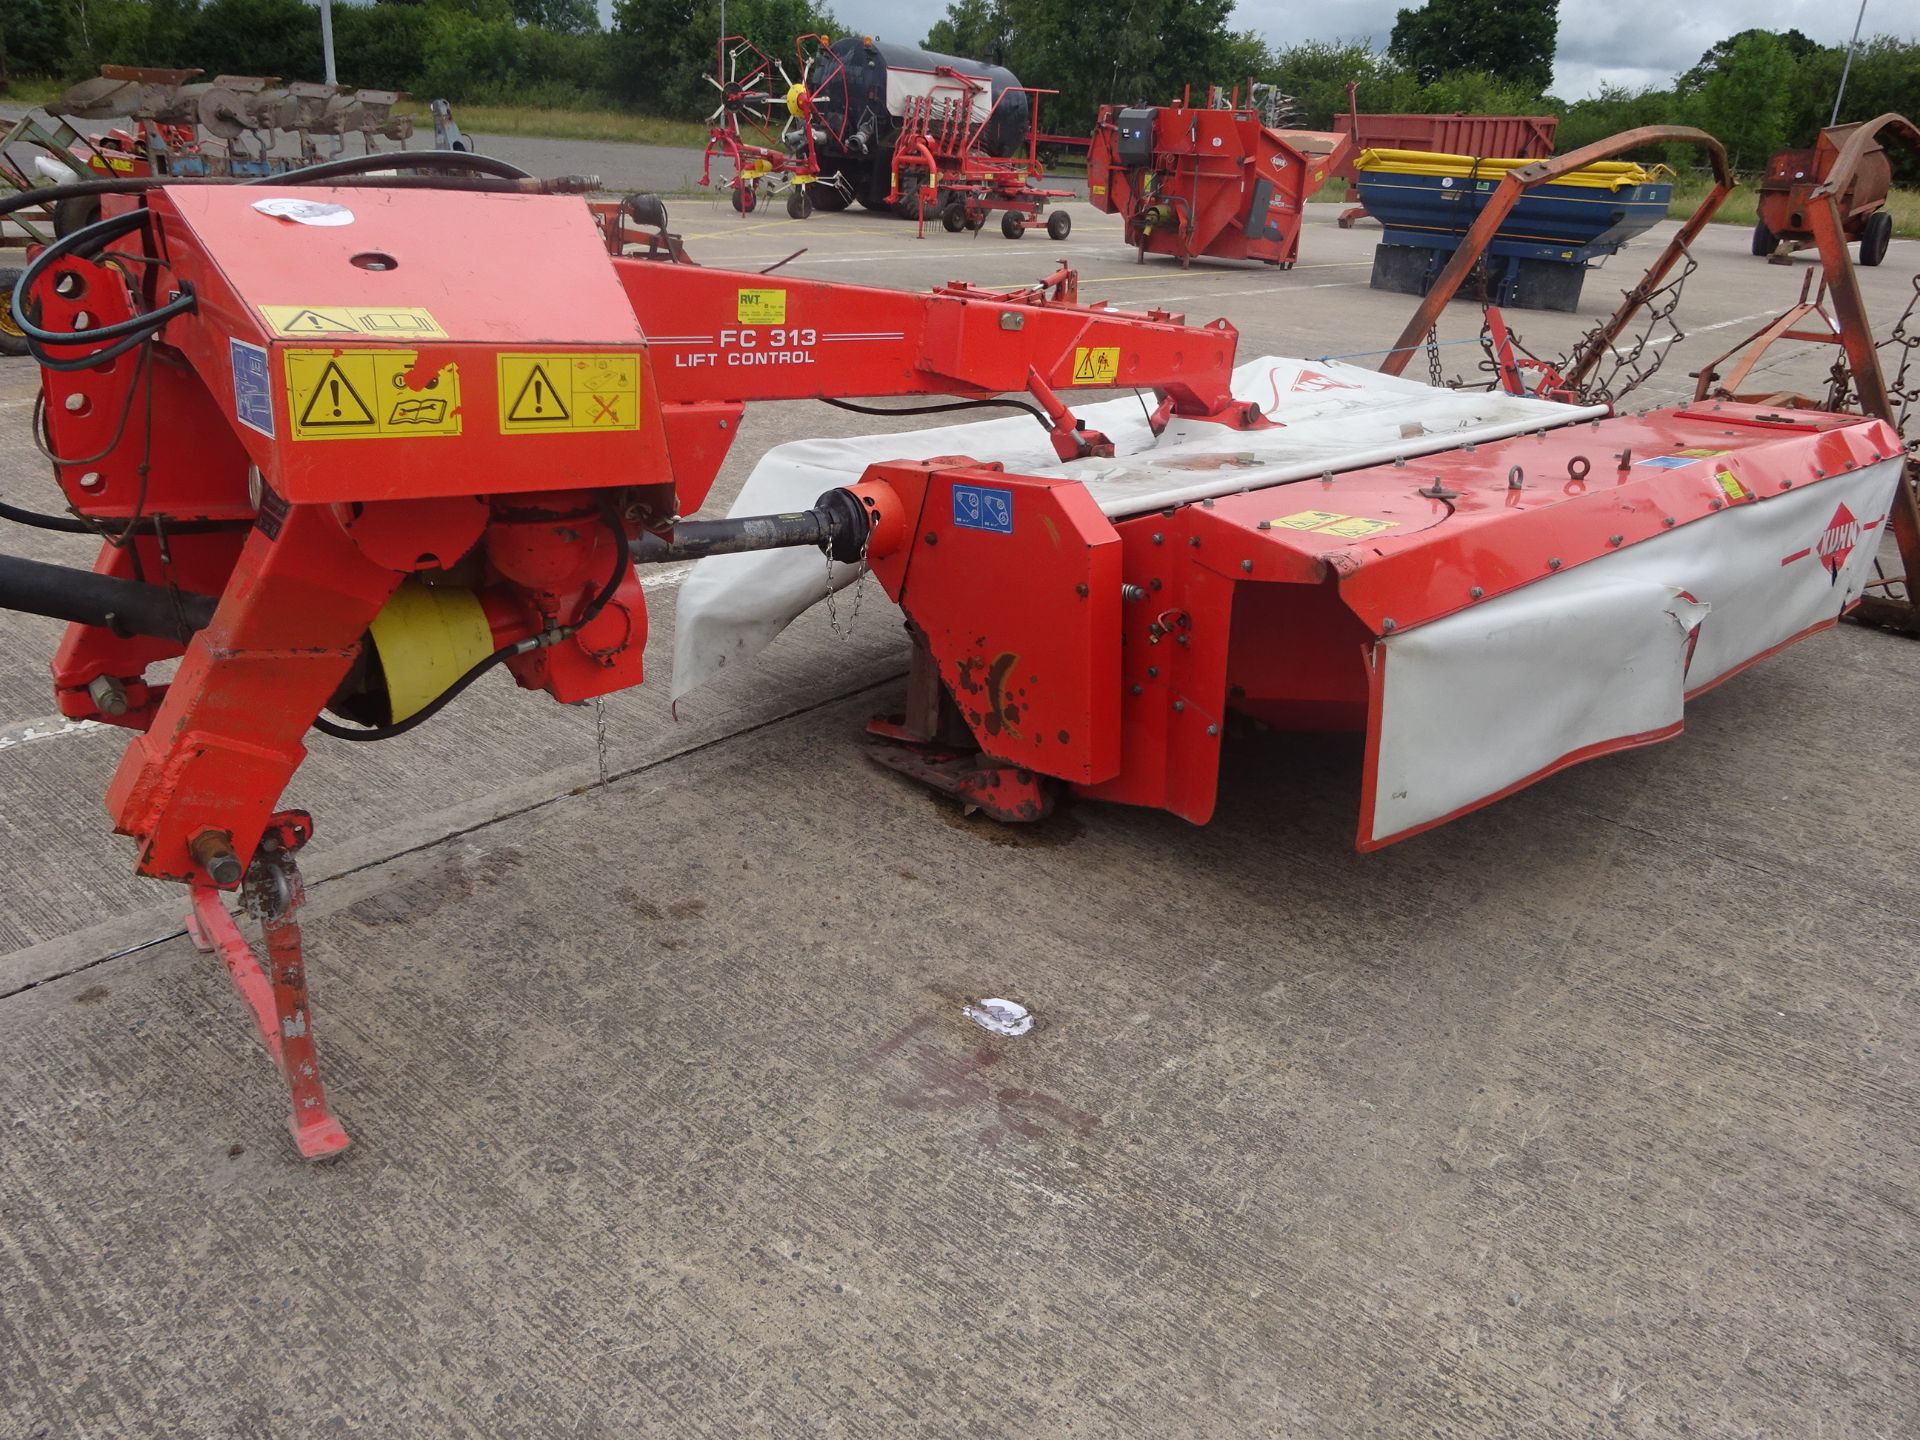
[1627,42]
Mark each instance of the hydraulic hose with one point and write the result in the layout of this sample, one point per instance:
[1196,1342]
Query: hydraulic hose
[126,607]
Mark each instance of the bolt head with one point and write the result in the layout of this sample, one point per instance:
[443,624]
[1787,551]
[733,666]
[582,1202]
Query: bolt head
[1179,705]
[1476,592]
[1213,729]
[1553,564]
[1387,626]
[1158,538]
[1247,565]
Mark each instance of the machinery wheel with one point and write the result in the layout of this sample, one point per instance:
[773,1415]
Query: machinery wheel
[799,202]
[1059,225]
[1875,239]
[953,219]
[1763,239]
[744,199]
[867,202]
[12,342]
[826,195]
[76,212]
[1013,224]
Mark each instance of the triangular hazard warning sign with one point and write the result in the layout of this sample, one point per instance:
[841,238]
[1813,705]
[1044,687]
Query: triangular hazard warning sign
[538,402]
[1088,368]
[312,322]
[334,401]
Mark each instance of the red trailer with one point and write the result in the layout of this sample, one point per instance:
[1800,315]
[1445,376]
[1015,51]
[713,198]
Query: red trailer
[1506,137]
[1200,180]
[1786,196]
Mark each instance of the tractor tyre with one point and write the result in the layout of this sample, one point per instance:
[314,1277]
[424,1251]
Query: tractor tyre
[1763,239]
[744,199]
[1876,237]
[799,203]
[826,195]
[1013,224]
[76,212]
[953,219]
[1059,225]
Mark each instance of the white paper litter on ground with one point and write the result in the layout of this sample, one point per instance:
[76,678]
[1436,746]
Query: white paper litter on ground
[1002,1017]
[1331,416]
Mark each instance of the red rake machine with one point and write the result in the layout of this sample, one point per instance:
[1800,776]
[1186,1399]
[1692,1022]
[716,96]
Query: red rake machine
[942,165]
[766,125]
[363,472]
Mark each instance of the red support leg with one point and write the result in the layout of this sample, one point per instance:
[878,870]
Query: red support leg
[277,995]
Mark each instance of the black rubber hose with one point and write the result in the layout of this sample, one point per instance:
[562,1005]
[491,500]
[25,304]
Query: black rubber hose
[73,525]
[89,240]
[126,607]
[395,160]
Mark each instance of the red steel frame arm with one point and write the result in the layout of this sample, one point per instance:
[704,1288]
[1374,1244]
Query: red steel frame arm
[1518,182]
[1863,356]
[711,342]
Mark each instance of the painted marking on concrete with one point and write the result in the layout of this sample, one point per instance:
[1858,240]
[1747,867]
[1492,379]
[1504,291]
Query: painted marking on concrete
[50,727]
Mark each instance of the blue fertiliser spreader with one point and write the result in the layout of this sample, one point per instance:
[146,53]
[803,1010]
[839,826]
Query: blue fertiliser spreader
[1537,260]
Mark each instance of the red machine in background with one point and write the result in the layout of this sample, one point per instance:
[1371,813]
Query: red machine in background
[373,469]
[1793,179]
[1193,180]
[943,166]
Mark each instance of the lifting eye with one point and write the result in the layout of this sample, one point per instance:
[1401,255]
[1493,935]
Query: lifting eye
[374,260]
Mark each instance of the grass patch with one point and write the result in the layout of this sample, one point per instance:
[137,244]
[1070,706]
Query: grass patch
[1743,206]
[575,125]
[32,92]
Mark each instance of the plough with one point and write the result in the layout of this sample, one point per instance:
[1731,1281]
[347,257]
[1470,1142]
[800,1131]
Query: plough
[367,472]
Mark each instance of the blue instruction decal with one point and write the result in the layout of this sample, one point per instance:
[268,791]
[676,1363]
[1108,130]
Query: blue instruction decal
[1670,462]
[252,399]
[979,507]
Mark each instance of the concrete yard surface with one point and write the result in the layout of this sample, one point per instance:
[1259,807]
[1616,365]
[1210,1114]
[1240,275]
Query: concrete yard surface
[1591,1113]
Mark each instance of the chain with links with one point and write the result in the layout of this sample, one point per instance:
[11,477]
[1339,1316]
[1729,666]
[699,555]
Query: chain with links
[1658,333]
[1435,376]
[600,734]
[844,629]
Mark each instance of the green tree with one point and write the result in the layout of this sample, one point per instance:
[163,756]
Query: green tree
[562,17]
[33,37]
[1718,55]
[1743,102]
[975,29]
[1510,39]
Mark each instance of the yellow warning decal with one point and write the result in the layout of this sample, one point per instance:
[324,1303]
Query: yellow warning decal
[1697,453]
[323,322]
[762,307]
[1331,522]
[1730,486]
[369,395]
[547,393]
[1096,364]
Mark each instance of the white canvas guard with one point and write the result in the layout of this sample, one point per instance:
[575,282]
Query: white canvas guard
[1330,417]
[1604,656]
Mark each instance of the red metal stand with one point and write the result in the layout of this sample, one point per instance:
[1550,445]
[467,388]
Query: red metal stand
[281,1013]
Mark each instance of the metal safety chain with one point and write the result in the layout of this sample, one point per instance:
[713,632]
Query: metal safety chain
[600,734]
[845,631]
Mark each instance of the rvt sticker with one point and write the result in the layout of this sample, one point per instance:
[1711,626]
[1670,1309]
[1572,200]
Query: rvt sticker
[980,507]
